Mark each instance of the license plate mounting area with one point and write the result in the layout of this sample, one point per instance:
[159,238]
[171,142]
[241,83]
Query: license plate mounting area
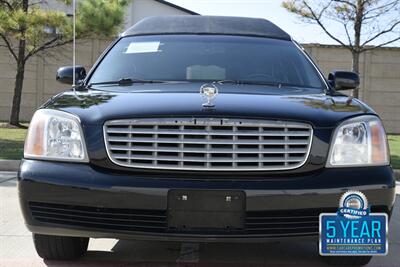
[193,210]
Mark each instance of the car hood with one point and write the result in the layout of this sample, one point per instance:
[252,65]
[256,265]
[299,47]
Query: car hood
[94,107]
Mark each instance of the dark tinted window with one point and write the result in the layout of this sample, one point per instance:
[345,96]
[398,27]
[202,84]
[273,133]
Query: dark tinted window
[207,58]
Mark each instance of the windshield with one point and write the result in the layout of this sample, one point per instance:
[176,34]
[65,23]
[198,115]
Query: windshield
[192,58]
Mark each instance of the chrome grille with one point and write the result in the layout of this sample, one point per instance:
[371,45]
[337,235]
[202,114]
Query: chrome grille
[213,144]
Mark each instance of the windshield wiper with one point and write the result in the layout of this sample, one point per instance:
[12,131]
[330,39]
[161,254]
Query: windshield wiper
[125,82]
[229,81]
[274,84]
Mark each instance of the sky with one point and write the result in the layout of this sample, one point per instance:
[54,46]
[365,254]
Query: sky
[269,9]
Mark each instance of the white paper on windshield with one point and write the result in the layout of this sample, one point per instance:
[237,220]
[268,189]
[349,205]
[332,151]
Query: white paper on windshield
[142,47]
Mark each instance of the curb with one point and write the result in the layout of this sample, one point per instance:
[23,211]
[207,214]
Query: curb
[9,165]
[397,174]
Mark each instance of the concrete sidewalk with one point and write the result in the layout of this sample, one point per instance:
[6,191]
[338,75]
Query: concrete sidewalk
[16,247]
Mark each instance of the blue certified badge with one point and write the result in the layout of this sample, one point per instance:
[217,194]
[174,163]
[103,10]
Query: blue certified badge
[353,230]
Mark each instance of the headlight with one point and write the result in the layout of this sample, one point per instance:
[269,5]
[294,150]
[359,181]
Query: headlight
[55,135]
[359,141]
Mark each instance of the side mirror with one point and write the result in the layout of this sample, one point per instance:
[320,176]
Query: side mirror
[343,80]
[64,74]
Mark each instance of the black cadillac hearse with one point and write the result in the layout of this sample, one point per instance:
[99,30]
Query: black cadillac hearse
[199,129]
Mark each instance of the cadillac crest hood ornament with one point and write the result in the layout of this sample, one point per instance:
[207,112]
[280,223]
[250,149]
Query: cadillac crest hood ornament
[208,91]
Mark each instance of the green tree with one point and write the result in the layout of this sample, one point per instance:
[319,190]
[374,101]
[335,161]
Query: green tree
[26,29]
[366,24]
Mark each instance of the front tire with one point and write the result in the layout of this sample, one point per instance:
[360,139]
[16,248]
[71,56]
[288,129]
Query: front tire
[60,247]
[347,260]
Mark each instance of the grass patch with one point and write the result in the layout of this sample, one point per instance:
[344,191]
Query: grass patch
[12,144]
[394,144]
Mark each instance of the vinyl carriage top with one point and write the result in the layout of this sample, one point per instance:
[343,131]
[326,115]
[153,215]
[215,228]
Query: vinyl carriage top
[212,25]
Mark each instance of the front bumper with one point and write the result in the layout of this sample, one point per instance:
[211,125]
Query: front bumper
[78,200]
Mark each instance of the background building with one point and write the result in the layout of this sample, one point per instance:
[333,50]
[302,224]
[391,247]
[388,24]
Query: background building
[380,68]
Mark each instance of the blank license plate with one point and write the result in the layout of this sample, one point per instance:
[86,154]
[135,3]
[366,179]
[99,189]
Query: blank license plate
[206,209]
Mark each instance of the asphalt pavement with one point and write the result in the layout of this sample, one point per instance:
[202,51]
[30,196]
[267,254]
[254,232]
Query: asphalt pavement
[16,247]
